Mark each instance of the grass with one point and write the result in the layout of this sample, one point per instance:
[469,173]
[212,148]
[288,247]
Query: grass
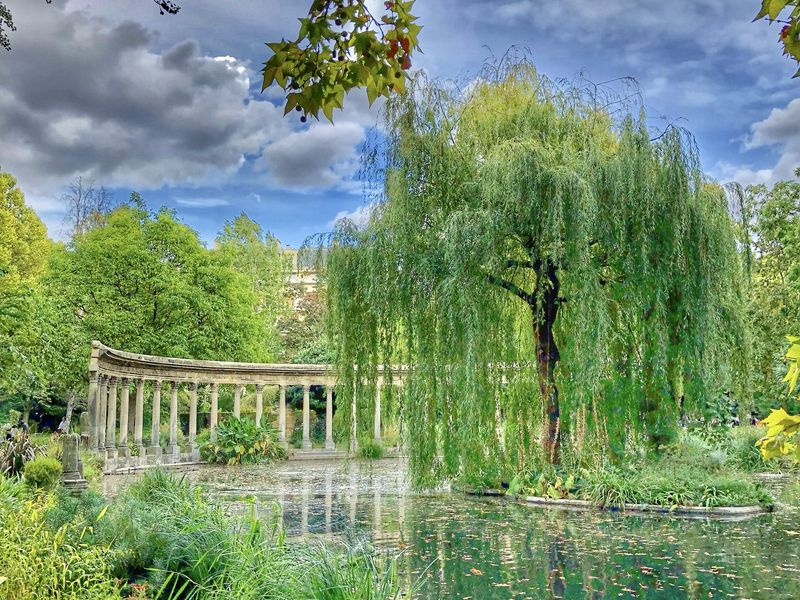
[693,472]
[166,540]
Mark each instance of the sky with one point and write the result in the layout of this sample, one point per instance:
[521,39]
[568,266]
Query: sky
[171,106]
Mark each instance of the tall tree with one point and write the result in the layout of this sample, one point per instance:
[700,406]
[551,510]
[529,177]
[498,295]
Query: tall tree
[145,283]
[256,255]
[86,205]
[550,273]
[24,250]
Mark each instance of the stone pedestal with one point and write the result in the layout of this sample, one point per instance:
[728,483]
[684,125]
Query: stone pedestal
[72,477]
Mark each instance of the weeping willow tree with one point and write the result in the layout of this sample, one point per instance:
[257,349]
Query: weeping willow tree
[555,280]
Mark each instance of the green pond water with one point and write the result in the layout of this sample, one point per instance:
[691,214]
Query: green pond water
[463,547]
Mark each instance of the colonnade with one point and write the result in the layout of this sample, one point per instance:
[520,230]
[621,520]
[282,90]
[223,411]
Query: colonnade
[115,413]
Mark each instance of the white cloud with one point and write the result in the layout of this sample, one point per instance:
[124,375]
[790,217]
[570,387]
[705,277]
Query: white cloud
[319,157]
[359,216]
[780,131]
[201,202]
[81,96]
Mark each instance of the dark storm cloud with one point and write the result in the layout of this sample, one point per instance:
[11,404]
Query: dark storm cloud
[80,96]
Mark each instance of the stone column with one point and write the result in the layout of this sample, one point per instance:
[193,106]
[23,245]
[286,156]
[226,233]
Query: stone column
[282,414]
[237,401]
[111,419]
[138,419]
[155,427]
[214,410]
[91,403]
[174,449]
[306,417]
[124,408]
[102,410]
[72,476]
[131,420]
[259,402]
[193,420]
[378,411]
[329,445]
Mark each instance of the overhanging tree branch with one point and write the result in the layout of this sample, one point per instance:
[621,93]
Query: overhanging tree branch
[511,287]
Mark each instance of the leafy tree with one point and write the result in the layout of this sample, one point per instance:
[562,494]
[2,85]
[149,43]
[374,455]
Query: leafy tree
[303,331]
[256,255]
[144,282]
[551,274]
[773,10]
[769,233]
[24,250]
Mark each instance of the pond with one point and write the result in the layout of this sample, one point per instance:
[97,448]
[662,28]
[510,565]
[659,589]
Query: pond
[462,547]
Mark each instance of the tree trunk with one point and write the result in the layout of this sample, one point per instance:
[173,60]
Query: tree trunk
[547,356]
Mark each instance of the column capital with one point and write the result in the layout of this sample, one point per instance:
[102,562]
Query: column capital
[259,387]
[193,386]
[213,385]
[140,382]
[306,387]
[112,380]
[125,381]
[157,383]
[93,376]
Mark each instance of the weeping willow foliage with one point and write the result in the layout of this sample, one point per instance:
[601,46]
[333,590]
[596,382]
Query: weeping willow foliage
[556,282]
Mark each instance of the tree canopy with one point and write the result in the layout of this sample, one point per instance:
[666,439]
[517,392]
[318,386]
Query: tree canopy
[554,278]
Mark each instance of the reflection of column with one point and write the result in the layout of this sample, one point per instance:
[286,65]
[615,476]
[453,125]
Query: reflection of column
[329,445]
[102,409]
[214,410]
[282,503]
[193,419]
[155,426]
[304,507]
[328,500]
[353,429]
[237,401]
[259,402]
[138,419]
[353,495]
[376,511]
[124,408]
[174,449]
[111,419]
[282,414]
[91,403]
[306,417]
[378,411]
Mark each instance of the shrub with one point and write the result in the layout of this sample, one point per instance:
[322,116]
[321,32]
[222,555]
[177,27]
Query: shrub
[15,452]
[43,472]
[242,441]
[371,449]
[38,563]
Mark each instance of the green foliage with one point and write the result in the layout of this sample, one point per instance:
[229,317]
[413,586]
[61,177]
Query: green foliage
[256,256]
[522,225]
[340,47]
[17,451]
[166,535]
[790,32]
[242,441]
[371,449]
[38,563]
[43,472]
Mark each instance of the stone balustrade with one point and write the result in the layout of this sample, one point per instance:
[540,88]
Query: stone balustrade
[113,417]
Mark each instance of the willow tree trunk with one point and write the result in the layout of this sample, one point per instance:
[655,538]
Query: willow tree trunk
[547,356]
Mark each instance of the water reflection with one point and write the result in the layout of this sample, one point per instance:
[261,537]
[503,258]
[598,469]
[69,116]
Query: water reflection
[473,548]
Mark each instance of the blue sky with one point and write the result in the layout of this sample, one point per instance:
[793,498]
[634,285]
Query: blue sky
[170,105]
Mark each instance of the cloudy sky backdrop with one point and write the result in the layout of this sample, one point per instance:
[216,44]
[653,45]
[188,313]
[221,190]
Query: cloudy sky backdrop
[170,105]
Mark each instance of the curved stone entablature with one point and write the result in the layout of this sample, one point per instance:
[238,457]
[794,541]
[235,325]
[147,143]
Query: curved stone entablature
[117,363]
[112,372]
